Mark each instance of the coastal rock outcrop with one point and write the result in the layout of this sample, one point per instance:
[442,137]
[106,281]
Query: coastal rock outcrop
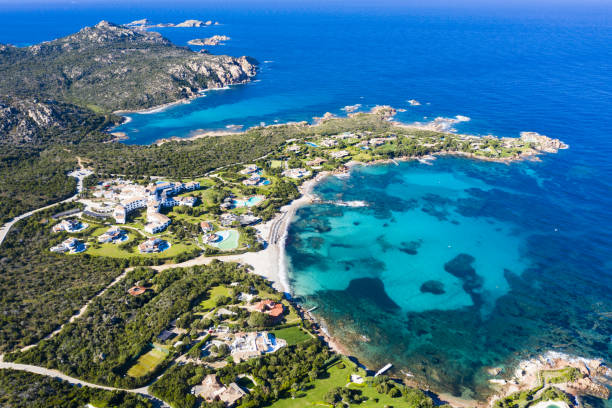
[28,121]
[385,111]
[543,143]
[214,40]
[193,23]
[586,386]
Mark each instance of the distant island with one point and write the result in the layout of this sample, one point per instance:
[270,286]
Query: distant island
[146,23]
[214,40]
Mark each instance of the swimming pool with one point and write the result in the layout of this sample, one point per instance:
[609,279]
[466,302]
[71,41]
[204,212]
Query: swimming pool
[229,240]
[312,144]
[249,202]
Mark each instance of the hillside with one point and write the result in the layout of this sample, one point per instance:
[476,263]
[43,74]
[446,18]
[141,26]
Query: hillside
[103,68]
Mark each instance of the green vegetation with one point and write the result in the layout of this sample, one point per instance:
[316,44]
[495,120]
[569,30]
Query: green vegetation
[19,389]
[118,328]
[148,362]
[331,390]
[292,335]
[40,290]
[31,179]
[568,374]
[213,297]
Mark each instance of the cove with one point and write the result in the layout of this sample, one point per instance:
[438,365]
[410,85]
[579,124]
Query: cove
[448,270]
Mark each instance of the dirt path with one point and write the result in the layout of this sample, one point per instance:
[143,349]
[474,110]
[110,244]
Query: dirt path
[144,391]
[81,311]
[7,226]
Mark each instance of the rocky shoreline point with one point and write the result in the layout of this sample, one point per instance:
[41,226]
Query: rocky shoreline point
[544,143]
[593,376]
[214,40]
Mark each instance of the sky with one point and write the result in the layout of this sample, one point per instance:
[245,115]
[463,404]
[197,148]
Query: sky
[308,4]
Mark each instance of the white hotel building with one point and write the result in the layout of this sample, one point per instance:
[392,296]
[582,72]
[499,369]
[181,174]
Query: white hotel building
[154,198]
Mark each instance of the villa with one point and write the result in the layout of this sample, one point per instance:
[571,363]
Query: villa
[316,162]
[228,219]
[252,181]
[114,234]
[248,219]
[70,225]
[212,390]
[206,226]
[254,344]
[256,180]
[294,148]
[296,173]
[340,154]
[152,245]
[379,141]
[188,201]
[271,308]
[228,202]
[345,135]
[71,245]
[157,222]
[329,142]
[250,169]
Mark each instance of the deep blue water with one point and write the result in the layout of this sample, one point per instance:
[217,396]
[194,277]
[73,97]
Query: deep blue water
[534,240]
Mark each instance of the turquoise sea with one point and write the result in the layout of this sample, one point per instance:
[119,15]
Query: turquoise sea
[452,267]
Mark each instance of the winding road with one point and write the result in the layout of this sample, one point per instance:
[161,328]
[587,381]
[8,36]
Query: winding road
[79,175]
[144,391]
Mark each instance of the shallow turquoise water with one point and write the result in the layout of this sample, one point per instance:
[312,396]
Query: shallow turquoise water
[451,268]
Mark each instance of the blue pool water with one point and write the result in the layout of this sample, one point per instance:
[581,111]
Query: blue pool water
[249,202]
[452,267]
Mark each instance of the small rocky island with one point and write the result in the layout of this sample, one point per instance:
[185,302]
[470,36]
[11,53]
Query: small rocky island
[191,23]
[214,40]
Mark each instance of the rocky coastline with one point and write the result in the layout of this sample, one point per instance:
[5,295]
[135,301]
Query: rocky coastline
[214,40]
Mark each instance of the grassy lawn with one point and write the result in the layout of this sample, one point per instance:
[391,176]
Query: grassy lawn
[339,377]
[276,164]
[293,335]
[113,250]
[213,295]
[147,362]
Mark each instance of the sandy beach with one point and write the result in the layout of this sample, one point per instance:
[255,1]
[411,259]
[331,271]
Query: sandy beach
[270,262]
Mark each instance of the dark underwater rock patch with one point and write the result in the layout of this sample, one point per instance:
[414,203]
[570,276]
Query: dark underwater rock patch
[384,244]
[435,206]
[371,289]
[434,287]
[315,242]
[461,267]
[411,247]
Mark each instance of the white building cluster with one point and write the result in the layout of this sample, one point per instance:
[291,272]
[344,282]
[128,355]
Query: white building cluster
[154,197]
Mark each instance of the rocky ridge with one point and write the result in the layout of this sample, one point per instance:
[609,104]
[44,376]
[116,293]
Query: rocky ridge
[102,69]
